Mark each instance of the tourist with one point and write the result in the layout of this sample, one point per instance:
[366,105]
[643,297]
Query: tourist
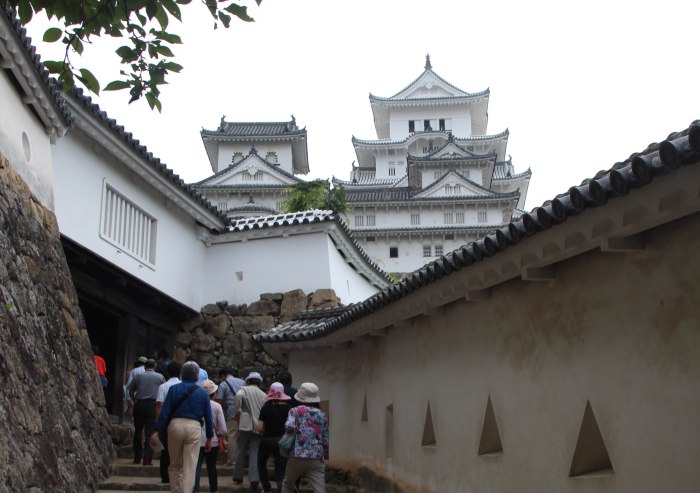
[273,415]
[225,396]
[173,374]
[138,368]
[163,359]
[310,449]
[101,366]
[143,391]
[219,438]
[248,402]
[186,404]
[286,380]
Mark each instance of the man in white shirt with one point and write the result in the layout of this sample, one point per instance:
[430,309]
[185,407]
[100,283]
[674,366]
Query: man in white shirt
[173,373]
[225,396]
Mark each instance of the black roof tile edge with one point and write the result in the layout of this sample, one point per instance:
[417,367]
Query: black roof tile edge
[485,92]
[141,150]
[658,159]
[471,138]
[330,217]
[51,84]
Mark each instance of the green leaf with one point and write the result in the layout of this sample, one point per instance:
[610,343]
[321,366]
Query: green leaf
[67,78]
[172,7]
[77,45]
[172,66]
[89,80]
[224,18]
[55,66]
[164,50]
[25,11]
[52,34]
[151,8]
[162,17]
[117,85]
[127,54]
[239,11]
[153,101]
[168,37]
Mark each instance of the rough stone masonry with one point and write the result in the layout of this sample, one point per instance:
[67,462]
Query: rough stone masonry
[54,427]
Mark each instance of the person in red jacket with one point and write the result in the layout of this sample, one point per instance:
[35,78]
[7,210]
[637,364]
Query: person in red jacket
[101,366]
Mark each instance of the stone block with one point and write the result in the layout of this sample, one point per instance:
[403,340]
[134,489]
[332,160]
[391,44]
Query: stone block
[272,296]
[232,345]
[202,342]
[326,297]
[247,343]
[183,338]
[193,323]
[253,324]
[293,302]
[211,309]
[217,326]
[235,310]
[248,358]
[263,307]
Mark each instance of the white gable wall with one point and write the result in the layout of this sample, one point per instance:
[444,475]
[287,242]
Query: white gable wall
[25,143]
[283,150]
[81,174]
[347,284]
[460,124]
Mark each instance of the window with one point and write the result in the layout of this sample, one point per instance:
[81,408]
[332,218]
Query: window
[370,220]
[237,156]
[272,157]
[437,174]
[222,206]
[391,152]
[482,216]
[359,220]
[392,171]
[415,219]
[427,251]
[459,217]
[438,250]
[449,237]
[393,252]
[370,239]
[279,206]
[457,189]
[127,226]
[449,218]
[411,126]
[426,125]
[442,124]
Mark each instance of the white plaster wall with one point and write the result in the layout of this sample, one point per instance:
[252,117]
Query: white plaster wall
[283,150]
[618,330]
[410,250]
[348,285]
[17,121]
[460,116]
[79,182]
[269,265]
[430,215]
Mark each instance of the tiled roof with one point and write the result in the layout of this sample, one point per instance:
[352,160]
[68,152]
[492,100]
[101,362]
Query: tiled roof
[682,148]
[256,129]
[501,173]
[52,86]
[406,194]
[142,151]
[305,217]
[304,323]
[252,152]
[471,138]
[251,208]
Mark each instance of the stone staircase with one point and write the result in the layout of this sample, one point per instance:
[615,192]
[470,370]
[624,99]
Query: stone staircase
[126,476]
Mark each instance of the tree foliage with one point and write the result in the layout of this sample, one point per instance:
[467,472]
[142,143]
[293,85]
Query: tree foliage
[147,54]
[316,194]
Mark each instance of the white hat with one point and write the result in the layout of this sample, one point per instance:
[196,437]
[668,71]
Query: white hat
[254,375]
[308,392]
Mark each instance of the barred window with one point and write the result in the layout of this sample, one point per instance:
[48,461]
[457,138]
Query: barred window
[449,218]
[393,252]
[127,226]
[370,220]
[482,217]
[359,220]
[415,219]
[392,171]
[427,251]
[438,250]
[222,206]
[459,217]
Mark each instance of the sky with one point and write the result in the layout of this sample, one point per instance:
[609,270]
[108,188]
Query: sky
[579,85]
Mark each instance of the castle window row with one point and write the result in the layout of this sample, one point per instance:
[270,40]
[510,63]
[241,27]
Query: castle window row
[442,124]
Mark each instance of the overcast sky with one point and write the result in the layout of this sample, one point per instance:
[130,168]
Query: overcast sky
[579,86]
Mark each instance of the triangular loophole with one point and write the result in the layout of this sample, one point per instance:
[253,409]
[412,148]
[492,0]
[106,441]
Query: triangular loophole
[490,442]
[590,455]
[428,429]
[364,410]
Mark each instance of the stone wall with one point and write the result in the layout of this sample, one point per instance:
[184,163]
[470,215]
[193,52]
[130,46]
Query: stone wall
[54,427]
[222,334]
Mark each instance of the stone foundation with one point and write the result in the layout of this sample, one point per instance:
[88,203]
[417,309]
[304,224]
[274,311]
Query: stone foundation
[222,334]
[53,422]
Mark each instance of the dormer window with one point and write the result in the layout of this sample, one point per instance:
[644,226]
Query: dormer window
[272,157]
[237,156]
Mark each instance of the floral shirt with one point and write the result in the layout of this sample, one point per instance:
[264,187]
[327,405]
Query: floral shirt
[311,425]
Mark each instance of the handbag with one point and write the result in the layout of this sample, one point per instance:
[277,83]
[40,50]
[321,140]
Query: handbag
[286,443]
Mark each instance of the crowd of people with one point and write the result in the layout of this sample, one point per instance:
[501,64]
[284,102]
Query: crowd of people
[195,420]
